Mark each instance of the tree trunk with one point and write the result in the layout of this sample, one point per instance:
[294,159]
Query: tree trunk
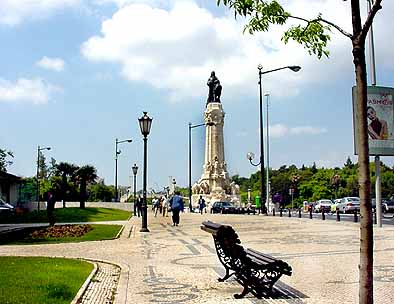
[82,194]
[366,230]
[64,189]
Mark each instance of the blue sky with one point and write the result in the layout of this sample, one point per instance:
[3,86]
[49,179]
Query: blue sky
[76,74]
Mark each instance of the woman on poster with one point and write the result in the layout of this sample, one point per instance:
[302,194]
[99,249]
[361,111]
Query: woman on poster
[377,128]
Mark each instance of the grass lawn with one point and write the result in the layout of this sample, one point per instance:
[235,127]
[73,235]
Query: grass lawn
[70,215]
[38,280]
[22,237]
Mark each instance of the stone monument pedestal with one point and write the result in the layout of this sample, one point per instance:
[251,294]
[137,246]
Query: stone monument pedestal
[214,184]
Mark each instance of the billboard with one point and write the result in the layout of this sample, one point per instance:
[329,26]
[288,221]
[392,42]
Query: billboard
[380,116]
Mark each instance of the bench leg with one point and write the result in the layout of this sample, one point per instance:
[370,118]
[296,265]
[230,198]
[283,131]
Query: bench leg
[226,276]
[243,293]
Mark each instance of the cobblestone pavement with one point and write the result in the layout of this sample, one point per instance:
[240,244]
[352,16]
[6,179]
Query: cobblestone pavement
[179,264]
[102,287]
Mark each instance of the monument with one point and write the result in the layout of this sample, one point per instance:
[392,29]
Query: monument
[214,184]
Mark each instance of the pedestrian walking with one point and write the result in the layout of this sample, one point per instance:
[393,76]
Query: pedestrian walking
[201,204]
[51,201]
[164,204]
[139,205]
[177,205]
[156,207]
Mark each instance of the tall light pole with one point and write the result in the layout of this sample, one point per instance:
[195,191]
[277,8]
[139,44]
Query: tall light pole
[38,174]
[378,185]
[294,68]
[135,170]
[145,124]
[190,158]
[268,154]
[117,152]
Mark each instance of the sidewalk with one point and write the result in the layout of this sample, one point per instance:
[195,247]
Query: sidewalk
[179,264]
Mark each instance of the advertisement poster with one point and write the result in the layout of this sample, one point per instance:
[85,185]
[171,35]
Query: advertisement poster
[380,116]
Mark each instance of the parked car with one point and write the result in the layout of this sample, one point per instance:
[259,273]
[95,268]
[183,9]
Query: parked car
[223,207]
[323,204]
[349,204]
[6,208]
[373,202]
[388,205]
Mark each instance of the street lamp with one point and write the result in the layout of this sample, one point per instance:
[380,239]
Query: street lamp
[268,155]
[38,175]
[294,68]
[190,158]
[135,170]
[117,152]
[145,124]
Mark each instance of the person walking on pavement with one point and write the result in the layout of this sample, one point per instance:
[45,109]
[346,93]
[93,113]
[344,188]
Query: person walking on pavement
[177,205]
[201,204]
[139,206]
[51,208]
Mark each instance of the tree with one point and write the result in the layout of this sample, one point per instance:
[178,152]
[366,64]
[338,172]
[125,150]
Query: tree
[5,159]
[67,172]
[42,167]
[86,174]
[313,34]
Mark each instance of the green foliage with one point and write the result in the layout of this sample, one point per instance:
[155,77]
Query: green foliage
[5,159]
[42,167]
[27,190]
[315,183]
[312,34]
[100,192]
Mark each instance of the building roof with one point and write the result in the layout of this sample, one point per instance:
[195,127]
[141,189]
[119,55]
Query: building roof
[5,176]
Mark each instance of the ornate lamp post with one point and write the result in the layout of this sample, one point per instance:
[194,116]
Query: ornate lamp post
[117,152]
[190,158]
[38,174]
[145,124]
[135,170]
[294,68]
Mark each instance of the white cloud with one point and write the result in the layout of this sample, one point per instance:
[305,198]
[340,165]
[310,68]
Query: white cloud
[307,130]
[176,49]
[14,12]
[35,91]
[54,64]
[280,130]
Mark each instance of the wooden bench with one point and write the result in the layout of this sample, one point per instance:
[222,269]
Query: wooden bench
[255,271]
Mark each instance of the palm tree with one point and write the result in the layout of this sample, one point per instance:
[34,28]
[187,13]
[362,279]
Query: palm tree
[66,171]
[86,174]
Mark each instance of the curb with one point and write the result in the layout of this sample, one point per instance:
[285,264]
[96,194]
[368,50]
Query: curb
[85,285]
[120,231]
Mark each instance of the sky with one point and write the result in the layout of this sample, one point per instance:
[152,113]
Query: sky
[77,74]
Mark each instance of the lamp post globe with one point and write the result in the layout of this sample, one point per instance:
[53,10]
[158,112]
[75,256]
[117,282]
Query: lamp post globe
[145,123]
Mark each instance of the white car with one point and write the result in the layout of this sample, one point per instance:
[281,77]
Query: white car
[349,204]
[6,208]
[323,204]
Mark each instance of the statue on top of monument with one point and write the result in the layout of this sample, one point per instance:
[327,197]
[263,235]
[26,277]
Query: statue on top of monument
[215,89]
